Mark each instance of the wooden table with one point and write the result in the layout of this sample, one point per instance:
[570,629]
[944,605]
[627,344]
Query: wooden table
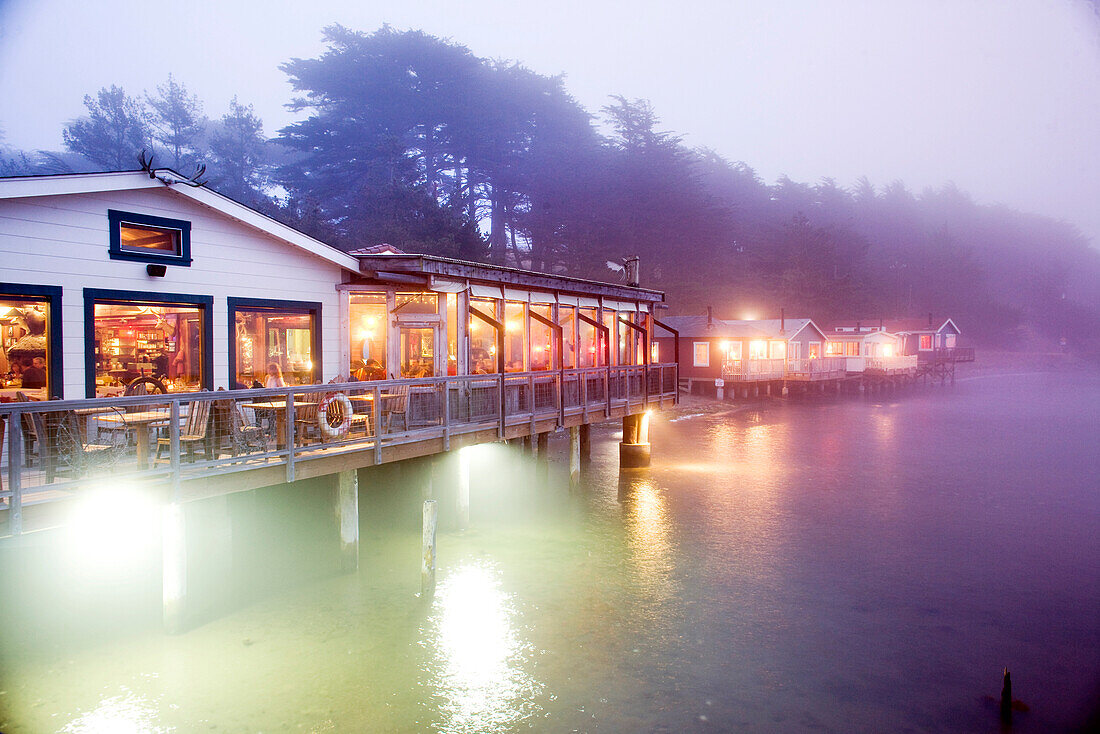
[278,407]
[9,394]
[139,423]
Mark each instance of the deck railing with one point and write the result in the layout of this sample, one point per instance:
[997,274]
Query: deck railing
[891,365]
[53,448]
[818,368]
[750,370]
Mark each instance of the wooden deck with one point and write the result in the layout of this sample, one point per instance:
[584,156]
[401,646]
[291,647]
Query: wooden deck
[258,438]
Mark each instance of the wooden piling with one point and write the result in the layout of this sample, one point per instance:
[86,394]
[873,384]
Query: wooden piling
[586,442]
[174,574]
[347,518]
[462,503]
[574,457]
[427,556]
[542,457]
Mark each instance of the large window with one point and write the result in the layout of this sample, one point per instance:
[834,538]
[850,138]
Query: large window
[30,338]
[926,342]
[483,337]
[274,342]
[609,320]
[515,323]
[568,320]
[542,340]
[777,349]
[131,335]
[146,238]
[452,334]
[590,354]
[368,322]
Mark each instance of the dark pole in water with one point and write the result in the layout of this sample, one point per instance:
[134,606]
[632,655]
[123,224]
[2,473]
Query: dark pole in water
[1006,698]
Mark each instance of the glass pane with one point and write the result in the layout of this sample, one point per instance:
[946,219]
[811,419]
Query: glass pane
[483,344]
[410,303]
[141,238]
[367,317]
[25,346]
[148,340]
[542,340]
[567,319]
[452,334]
[608,320]
[589,344]
[273,348]
[515,319]
[417,352]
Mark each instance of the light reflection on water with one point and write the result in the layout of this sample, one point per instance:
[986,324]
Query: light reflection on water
[839,566]
[479,675]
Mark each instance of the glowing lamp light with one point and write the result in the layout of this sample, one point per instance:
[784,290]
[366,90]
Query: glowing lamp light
[492,350]
[887,350]
[724,346]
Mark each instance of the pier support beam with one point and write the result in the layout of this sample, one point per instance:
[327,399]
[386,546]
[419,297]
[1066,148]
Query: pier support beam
[634,450]
[347,518]
[174,575]
[586,442]
[462,500]
[427,556]
[542,457]
[574,457]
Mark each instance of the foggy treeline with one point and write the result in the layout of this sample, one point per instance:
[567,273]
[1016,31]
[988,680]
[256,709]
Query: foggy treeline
[414,141]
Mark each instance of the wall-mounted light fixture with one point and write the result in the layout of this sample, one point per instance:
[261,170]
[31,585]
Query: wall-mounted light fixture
[156,271]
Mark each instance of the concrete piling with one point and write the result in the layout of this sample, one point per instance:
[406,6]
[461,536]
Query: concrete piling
[174,575]
[462,502]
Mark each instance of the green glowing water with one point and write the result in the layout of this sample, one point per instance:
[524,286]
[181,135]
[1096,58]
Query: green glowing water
[842,566]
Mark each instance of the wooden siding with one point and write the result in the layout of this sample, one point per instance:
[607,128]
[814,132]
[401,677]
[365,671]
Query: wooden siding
[63,241]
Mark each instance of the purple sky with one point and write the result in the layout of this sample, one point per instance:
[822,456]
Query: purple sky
[999,96]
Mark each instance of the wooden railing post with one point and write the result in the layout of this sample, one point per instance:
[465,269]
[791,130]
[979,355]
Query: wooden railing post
[377,420]
[15,476]
[290,438]
[174,445]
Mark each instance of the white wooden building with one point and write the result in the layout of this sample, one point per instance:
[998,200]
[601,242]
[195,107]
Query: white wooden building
[110,277]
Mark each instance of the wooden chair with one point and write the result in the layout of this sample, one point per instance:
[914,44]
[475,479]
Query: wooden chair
[63,448]
[248,438]
[396,403]
[31,441]
[305,418]
[193,433]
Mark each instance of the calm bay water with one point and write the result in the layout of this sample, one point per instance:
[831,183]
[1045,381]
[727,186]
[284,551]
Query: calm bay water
[851,565]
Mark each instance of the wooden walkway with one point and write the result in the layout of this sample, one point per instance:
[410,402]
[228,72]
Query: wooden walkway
[189,446]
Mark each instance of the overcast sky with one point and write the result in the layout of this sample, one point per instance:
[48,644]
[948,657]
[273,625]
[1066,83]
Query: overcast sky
[999,96]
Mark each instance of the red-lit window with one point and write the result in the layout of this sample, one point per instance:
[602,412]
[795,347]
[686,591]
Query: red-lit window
[925,342]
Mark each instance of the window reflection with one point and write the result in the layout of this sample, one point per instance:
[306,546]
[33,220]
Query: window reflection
[368,322]
[135,340]
[483,344]
[542,340]
[267,337]
[25,345]
[515,321]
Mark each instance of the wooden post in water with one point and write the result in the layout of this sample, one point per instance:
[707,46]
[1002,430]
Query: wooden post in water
[462,503]
[634,449]
[542,458]
[586,442]
[574,457]
[174,565]
[347,518]
[427,556]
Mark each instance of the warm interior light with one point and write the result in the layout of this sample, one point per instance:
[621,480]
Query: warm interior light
[887,350]
[725,346]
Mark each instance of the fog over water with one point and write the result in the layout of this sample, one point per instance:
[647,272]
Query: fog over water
[842,565]
[998,96]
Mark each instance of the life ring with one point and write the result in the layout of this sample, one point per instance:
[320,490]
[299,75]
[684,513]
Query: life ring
[327,428]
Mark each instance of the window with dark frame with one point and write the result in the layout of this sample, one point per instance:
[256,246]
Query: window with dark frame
[149,239]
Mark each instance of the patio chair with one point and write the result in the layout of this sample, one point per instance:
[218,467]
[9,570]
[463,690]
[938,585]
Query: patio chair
[193,434]
[30,432]
[248,438]
[64,449]
[305,419]
[396,403]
